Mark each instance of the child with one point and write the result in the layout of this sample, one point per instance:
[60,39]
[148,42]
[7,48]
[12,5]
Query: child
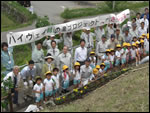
[134,53]
[98,68]
[142,49]
[76,74]
[65,77]
[94,75]
[106,59]
[38,90]
[102,69]
[118,55]
[112,58]
[124,53]
[93,59]
[48,85]
[55,78]
[134,39]
[128,57]
[138,50]
[146,45]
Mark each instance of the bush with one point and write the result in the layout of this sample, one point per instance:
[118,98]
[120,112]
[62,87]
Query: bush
[42,22]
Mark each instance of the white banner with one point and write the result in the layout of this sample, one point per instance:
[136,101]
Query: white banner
[24,37]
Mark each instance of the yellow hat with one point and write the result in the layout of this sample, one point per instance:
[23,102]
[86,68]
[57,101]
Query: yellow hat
[124,44]
[98,66]
[128,44]
[92,52]
[77,64]
[95,71]
[134,44]
[143,34]
[118,45]
[65,67]
[141,37]
[148,35]
[102,64]
[48,72]
[142,41]
[107,50]
[137,42]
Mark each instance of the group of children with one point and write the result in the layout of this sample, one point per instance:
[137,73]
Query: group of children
[112,59]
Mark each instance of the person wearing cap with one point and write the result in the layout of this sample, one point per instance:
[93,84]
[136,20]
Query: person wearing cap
[112,58]
[48,85]
[101,48]
[94,75]
[67,39]
[76,74]
[88,37]
[128,55]
[86,72]
[109,30]
[142,29]
[138,47]
[118,55]
[99,31]
[134,31]
[65,58]
[54,51]
[127,36]
[38,56]
[112,42]
[98,68]
[106,59]
[15,77]
[119,36]
[146,21]
[65,76]
[124,53]
[38,89]
[7,60]
[142,49]
[28,74]
[134,39]
[146,45]
[48,65]
[81,53]
[93,59]
[102,69]
[47,41]
[134,54]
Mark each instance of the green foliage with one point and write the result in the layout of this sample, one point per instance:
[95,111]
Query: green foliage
[42,22]
[102,8]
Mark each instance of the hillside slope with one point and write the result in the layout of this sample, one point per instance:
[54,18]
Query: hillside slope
[128,93]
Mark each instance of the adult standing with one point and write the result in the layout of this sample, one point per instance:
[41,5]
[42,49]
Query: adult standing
[99,31]
[147,13]
[81,53]
[54,51]
[110,30]
[15,78]
[88,37]
[38,56]
[142,29]
[65,58]
[134,31]
[101,48]
[127,36]
[119,36]
[7,60]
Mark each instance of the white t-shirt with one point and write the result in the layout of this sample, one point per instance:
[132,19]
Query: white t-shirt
[106,58]
[93,63]
[55,80]
[146,45]
[118,53]
[77,75]
[38,88]
[133,53]
[125,53]
[112,58]
[67,77]
[48,84]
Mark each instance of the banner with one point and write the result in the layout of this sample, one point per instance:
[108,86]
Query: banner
[24,37]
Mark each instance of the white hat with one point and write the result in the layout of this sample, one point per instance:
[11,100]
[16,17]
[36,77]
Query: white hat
[87,28]
[49,57]
[52,35]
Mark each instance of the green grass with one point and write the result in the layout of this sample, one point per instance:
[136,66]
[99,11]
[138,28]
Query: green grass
[102,8]
[8,22]
[128,93]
